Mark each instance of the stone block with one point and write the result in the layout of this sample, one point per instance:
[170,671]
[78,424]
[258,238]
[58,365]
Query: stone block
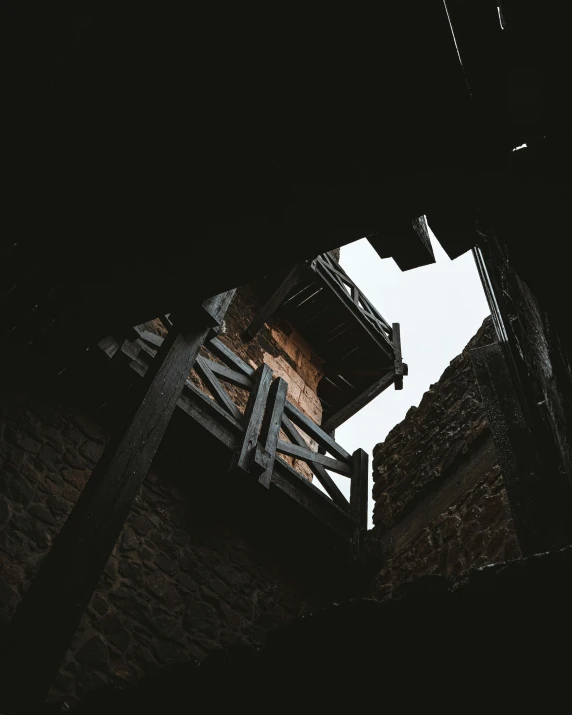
[42,513]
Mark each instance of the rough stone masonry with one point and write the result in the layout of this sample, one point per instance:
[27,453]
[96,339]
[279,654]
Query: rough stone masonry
[441,505]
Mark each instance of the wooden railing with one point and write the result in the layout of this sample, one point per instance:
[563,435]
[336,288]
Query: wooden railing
[342,284]
[271,426]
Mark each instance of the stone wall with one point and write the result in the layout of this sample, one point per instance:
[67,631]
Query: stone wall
[283,349]
[441,505]
[176,587]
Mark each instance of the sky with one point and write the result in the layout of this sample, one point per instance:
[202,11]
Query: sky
[439,307]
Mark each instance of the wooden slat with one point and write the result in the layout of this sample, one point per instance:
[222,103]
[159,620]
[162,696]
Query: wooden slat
[225,354]
[358,403]
[253,416]
[233,377]
[274,302]
[307,455]
[265,453]
[321,475]
[44,624]
[315,432]
[215,388]
[358,501]
[398,357]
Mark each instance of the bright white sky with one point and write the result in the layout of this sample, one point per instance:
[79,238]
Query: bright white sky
[440,307]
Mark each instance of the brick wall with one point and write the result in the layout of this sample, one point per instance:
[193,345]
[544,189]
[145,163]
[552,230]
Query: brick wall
[441,505]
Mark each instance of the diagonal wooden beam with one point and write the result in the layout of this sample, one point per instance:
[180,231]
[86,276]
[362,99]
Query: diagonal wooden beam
[310,457]
[44,623]
[320,472]
[215,388]
[274,302]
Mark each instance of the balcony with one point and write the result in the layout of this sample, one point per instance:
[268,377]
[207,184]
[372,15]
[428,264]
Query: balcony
[360,349]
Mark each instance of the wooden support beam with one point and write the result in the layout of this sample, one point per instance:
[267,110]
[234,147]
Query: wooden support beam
[274,302]
[253,416]
[44,624]
[399,370]
[265,453]
[358,402]
[358,501]
[315,432]
[310,457]
[225,354]
[215,388]
[233,377]
[319,471]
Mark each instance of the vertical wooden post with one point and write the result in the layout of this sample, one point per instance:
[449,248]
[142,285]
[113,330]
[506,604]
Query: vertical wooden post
[43,626]
[358,501]
[265,455]
[399,370]
[253,416]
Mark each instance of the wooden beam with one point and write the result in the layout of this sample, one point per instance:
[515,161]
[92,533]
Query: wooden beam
[44,624]
[253,416]
[358,501]
[274,302]
[233,377]
[225,354]
[319,471]
[399,370]
[215,388]
[315,432]
[265,453]
[358,402]
[310,457]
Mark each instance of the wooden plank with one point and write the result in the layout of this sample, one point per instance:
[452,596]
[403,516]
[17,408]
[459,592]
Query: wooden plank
[237,379]
[320,473]
[399,372]
[358,501]
[274,302]
[148,337]
[315,432]
[253,416]
[358,403]
[44,624]
[225,354]
[310,457]
[265,453]
[215,388]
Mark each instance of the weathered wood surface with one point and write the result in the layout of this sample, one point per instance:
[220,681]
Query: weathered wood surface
[225,354]
[44,624]
[253,417]
[359,501]
[238,379]
[265,453]
[215,388]
[315,432]
[319,471]
[308,456]
[399,370]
